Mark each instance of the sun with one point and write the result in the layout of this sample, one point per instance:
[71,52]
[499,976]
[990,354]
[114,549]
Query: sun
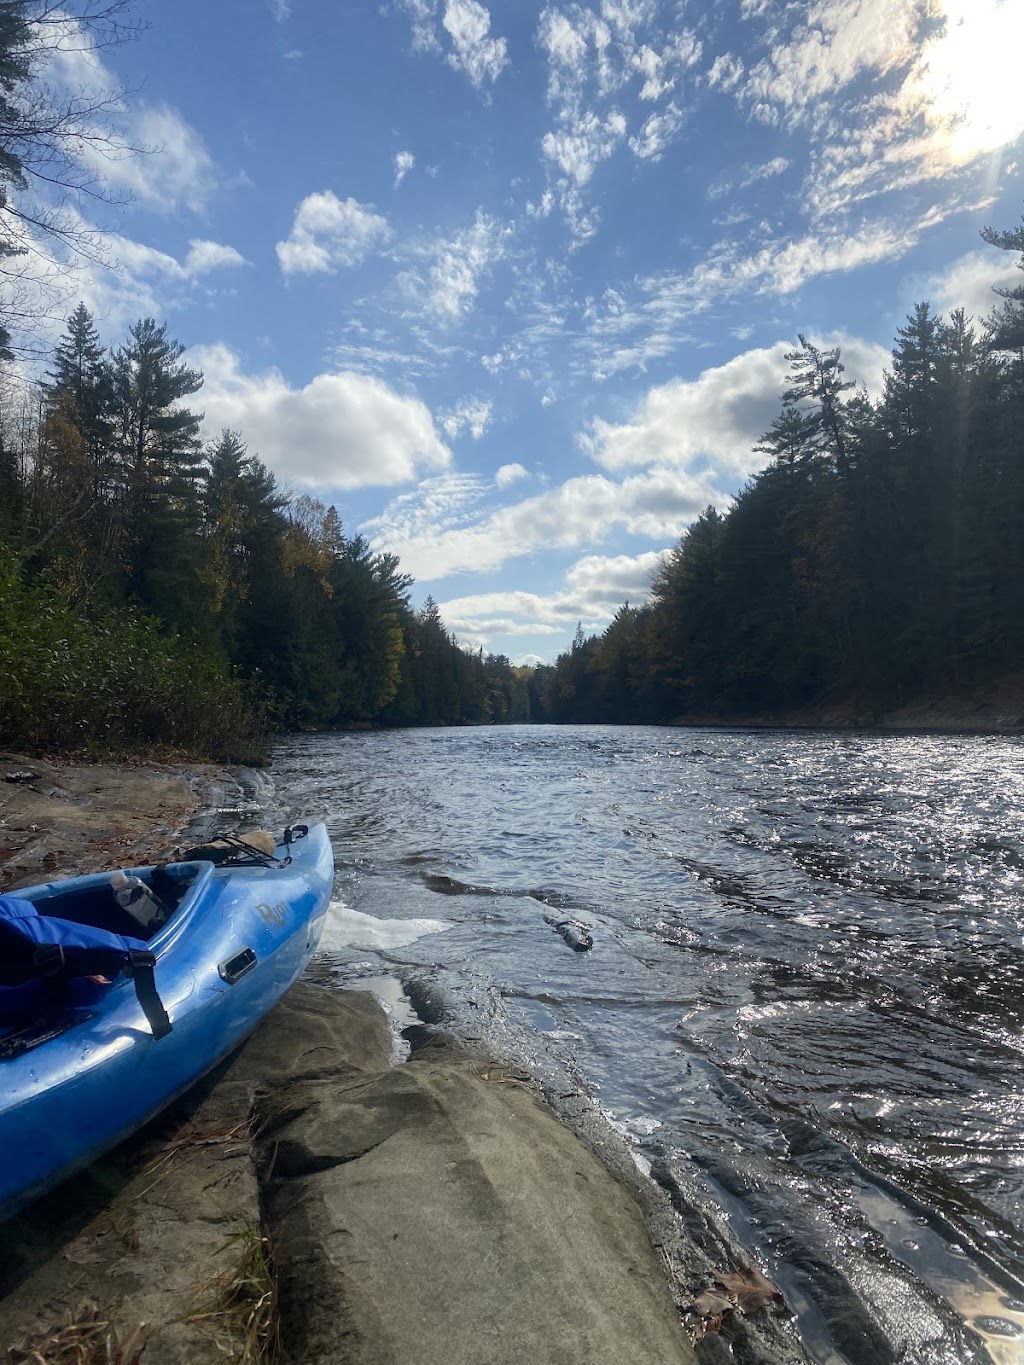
[970,79]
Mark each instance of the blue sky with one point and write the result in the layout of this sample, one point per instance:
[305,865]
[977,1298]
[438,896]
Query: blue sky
[511,284]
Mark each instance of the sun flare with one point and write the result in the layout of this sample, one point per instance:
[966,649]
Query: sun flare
[970,76]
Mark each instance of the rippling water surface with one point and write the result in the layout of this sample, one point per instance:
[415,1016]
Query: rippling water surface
[807,979]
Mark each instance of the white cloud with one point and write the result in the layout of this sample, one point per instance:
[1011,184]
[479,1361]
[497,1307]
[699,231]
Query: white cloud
[339,431]
[471,414]
[328,232]
[579,147]
[204,256]
[148,152]
[721,414]
[839,40]
[780,267]
[404,162]
[726,71]
[174,170]
[969,282]
[280,9]
[945,90]
[628,329]
[423,15]
[657,503]
[119,280]
[449,287]
[481,57]
[438,503]
[776,166]
[592,55]
[593,590]
[656,134]
[510,473]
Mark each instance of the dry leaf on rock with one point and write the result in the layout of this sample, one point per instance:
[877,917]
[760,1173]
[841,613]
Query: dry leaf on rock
[749,1289]
[740,1291]
[711,1304]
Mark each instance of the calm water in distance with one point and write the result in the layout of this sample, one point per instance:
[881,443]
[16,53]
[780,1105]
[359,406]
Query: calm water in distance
[807,980]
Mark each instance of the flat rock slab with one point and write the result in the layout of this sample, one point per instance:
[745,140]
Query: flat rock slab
[430,1212]
[438,1214]
[72,818]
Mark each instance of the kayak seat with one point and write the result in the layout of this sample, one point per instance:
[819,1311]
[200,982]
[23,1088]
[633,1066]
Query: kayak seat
[97,906]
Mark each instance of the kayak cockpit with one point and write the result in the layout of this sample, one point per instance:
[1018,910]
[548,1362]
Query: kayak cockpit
[66,945]
[90,900]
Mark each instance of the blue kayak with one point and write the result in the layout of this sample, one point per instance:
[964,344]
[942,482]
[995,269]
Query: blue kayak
[112,1048]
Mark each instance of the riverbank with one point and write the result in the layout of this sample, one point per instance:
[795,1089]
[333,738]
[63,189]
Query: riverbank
[414,1213]
[994,708]
[315,1200]
[62,818]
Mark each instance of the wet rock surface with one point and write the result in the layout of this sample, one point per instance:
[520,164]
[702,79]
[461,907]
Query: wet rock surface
[438,1212]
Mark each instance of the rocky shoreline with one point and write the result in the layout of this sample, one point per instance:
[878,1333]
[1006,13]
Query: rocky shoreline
[312,1201]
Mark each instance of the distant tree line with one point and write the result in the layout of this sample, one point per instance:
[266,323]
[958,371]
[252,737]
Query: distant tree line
[156,590]
[153,588]
[879,555]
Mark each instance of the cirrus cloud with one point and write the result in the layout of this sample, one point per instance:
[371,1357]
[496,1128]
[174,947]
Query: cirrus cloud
[480,56]
[582,511]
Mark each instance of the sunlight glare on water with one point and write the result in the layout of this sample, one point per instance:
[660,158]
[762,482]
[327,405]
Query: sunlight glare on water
[807,978]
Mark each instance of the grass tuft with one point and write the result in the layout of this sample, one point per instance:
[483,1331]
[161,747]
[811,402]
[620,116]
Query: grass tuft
[85,1337]
[239,1306]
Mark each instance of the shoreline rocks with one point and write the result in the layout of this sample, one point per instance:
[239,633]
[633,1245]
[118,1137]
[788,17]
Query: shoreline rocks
[311,1190]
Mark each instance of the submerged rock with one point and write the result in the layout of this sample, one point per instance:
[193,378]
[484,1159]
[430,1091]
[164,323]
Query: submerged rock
[574,931]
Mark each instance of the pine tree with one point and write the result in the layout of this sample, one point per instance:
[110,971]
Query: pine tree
[243,530]
[159,439]
[160,456]
[81,373]
[815,395]
[1006,327]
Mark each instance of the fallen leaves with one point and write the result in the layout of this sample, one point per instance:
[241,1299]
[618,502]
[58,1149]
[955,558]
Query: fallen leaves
[733,1291]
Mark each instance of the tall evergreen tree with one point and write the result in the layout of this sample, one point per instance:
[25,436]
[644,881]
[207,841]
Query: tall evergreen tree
[160,464]
[243,530]
[1006,327]
[815,395]
[81,379]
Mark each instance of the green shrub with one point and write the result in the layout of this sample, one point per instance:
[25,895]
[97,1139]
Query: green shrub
[108,681]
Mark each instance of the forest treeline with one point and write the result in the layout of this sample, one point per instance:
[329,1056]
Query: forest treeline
[879,555]
[156,589]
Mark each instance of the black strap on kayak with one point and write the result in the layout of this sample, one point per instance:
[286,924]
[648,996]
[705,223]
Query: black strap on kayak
[55,965]
[140,968]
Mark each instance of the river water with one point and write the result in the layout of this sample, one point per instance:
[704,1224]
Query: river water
[806,983]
